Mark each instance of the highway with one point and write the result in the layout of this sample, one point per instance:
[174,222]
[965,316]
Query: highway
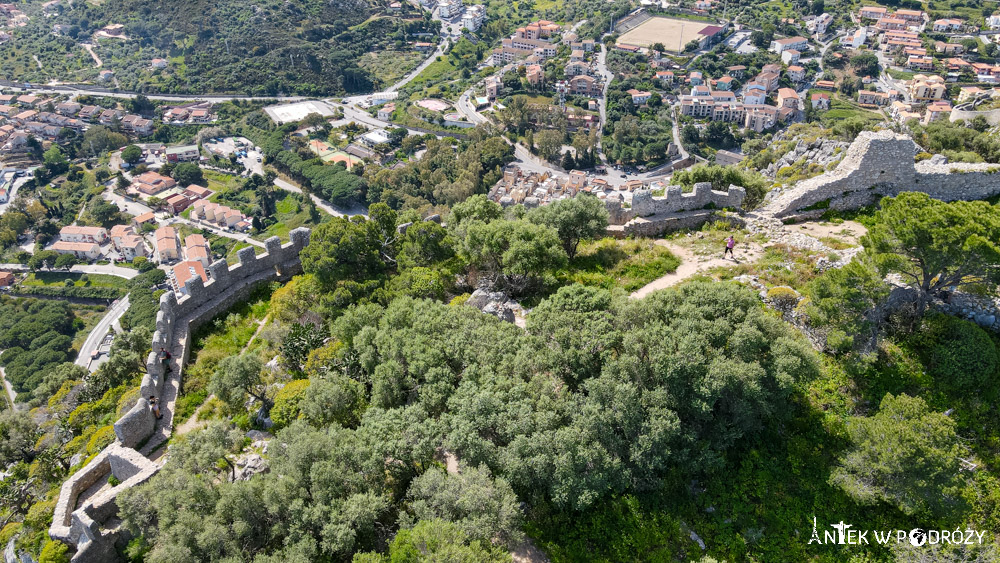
[96,336]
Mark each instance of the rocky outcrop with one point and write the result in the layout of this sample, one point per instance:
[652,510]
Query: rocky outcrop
[820,152]
[496,303]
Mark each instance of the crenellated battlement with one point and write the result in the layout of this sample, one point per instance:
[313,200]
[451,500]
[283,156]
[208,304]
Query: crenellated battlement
[651,215]
[176,318]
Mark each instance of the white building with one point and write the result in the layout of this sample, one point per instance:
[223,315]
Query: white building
[474,17]
[376,137]
[449,8]
[781,45]
[819,24]
[855,39]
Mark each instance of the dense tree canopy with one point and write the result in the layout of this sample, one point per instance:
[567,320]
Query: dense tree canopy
[574,219]
[905,455]
[599,397]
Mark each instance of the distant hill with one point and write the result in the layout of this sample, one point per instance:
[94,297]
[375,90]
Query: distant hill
[262,47]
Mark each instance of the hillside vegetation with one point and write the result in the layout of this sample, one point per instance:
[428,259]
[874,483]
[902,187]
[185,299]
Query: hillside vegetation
[308,47]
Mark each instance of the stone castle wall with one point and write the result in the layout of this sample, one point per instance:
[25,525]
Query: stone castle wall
[82,525]
[960,113]
[876,165]
[653,215]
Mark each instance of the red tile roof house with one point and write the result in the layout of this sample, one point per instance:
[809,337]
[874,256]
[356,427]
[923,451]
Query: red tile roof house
[167,246]
[186,271]
[88,112]
[140,220]
[84,250]
[821,100]
[119,232]
[151,183]
[75,233]
[108,116]
[177,203]
[132,246]
[195,191]
[196,248]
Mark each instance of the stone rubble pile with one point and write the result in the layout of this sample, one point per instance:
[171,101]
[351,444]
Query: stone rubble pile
[253,462]
[982,310]
[776,233]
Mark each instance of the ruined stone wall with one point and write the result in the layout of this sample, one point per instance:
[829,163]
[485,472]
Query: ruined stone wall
[656,225]
[82,526]
[653,215]
[876,165]
[675,200]
[958,114]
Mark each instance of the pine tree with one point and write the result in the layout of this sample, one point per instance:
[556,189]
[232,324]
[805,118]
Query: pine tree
[567,161]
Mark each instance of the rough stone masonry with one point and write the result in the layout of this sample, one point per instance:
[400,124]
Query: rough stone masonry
[88,526]
[879,164]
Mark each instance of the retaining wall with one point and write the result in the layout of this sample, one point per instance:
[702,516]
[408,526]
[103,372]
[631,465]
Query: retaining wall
[879,164]
[82,526]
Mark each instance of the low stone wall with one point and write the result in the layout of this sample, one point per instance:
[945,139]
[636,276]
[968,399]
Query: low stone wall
[876,165]
[657,225]
[81,526]
[61,528]
[653,215]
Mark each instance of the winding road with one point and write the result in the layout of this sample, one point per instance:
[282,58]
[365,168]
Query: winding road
[96,336]
[98,63]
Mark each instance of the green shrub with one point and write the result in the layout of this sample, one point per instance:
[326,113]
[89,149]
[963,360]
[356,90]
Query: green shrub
[54,552]
[101,439]
[286,403]
[839,342]
[783,298]
[958,352]
[9,531]
[242,421]
[40,514]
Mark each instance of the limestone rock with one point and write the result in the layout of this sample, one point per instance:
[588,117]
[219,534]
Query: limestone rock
[495,303]
[256,435]
[250,465]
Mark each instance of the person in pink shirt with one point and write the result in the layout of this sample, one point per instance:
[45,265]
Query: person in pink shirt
[730,244]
